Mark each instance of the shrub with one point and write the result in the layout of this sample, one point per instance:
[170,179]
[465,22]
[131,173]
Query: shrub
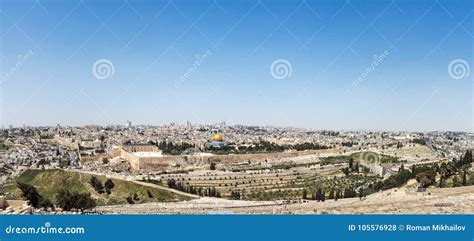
[74,201]
[109,184]
[97,185]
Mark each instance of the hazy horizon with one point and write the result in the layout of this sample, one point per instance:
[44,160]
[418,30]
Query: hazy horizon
[228,124]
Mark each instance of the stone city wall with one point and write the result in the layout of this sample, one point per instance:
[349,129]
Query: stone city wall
[91,158]
[161,163]
[66,142]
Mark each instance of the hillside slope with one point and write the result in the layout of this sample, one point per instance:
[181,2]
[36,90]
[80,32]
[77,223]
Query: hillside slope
[49,182]
[459,200]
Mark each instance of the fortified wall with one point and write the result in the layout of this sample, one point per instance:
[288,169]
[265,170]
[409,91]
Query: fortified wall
[162,163]
[66,142]
[150,164]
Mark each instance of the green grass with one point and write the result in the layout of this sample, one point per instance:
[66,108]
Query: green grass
[359,156]
[326,185]
[335,159]
[4,147]
[49,182]
[3,170]
[449,181]
[383,158]
[289,165]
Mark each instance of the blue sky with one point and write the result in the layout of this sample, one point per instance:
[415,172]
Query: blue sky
[337,79]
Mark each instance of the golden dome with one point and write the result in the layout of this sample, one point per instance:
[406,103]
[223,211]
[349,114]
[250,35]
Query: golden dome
[217,137]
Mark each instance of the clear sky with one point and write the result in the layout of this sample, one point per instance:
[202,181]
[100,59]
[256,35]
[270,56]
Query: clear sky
[357,65]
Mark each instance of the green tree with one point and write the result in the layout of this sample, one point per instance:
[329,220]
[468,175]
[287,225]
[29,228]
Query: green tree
[425,179]
[349,192]
[135,197]
[346,171]
[96,184]
[464,178]
[331,194]
[233,195]
[442,180]
[212,166]
[68,201]
[30,193]
[109,185]
[150,195]
[84,201]
[46,203]
[456,182]
[319,195]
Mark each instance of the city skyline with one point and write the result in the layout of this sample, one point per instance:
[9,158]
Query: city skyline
[185,124]
[346,65]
